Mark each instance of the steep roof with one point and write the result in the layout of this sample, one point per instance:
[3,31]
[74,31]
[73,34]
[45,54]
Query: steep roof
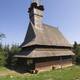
[46,35]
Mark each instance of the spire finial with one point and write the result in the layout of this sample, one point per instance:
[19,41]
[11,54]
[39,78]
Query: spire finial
[36,4]
[37,1]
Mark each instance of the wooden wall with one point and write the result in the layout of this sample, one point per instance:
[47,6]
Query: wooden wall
[43,66]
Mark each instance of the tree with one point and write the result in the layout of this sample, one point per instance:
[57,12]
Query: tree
[2,36]
[11,61]
[2,56]
[76,50]
[2,52]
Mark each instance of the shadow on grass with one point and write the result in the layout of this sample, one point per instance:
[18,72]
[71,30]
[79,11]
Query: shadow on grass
[19,69]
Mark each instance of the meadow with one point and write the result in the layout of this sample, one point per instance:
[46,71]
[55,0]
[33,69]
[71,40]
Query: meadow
[71,73]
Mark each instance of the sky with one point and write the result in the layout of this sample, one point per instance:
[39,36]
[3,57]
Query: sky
[14,18]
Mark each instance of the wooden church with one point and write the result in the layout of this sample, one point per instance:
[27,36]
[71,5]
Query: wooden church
[44,47]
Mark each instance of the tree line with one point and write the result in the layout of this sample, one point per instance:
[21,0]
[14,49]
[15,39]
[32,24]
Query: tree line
[7,53]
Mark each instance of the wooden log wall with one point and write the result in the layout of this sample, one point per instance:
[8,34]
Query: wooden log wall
[43,66]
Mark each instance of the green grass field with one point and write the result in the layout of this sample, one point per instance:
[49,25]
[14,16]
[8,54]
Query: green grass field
[72,73]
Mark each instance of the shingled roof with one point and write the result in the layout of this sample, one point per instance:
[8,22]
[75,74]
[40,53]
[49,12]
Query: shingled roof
[43,40]
[44,53]
[46,35]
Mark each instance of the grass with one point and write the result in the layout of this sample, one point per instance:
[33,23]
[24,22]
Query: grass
[3,69]
[72,73]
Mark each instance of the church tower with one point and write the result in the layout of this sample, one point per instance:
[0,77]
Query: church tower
[36,13]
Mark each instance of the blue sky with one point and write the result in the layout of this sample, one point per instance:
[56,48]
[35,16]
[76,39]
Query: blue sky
[64,14]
